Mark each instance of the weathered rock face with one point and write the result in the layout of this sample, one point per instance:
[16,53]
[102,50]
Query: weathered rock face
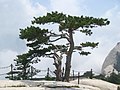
[112,61]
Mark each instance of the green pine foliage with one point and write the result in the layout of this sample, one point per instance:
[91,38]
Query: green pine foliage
[38,37]
[23,67]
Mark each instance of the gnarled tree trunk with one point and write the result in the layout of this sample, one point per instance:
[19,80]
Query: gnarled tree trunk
[69,56]
[58,72]
[58,65]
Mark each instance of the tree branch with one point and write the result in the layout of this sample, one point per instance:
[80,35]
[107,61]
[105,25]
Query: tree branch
[54,34]
[78,48]
[55,40]
[63,35]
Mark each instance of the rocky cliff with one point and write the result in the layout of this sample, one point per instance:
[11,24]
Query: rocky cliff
[112,61]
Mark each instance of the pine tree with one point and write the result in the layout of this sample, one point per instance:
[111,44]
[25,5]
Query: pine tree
[24,68]
[38,38]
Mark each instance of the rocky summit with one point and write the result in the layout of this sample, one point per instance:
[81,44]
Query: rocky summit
[112,61]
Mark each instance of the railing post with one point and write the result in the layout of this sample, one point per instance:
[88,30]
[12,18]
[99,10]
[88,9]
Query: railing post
[31,72]
[63,74]
[91,74]
[73,74]
[78,77]
[48,70]
[11,71]
[118,88]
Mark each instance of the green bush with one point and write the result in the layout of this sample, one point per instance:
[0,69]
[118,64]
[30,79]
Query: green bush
[113,78]
[88,74]
[49,78]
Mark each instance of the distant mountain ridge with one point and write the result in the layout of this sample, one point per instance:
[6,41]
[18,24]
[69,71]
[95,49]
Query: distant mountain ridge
[112,61]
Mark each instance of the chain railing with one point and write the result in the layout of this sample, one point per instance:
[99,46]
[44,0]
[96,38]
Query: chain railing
[4,67]
[49,73]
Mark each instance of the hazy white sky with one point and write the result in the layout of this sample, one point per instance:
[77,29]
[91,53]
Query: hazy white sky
[16,14]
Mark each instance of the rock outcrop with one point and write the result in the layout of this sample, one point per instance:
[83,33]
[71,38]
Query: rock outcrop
[112,61]
[84,84]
